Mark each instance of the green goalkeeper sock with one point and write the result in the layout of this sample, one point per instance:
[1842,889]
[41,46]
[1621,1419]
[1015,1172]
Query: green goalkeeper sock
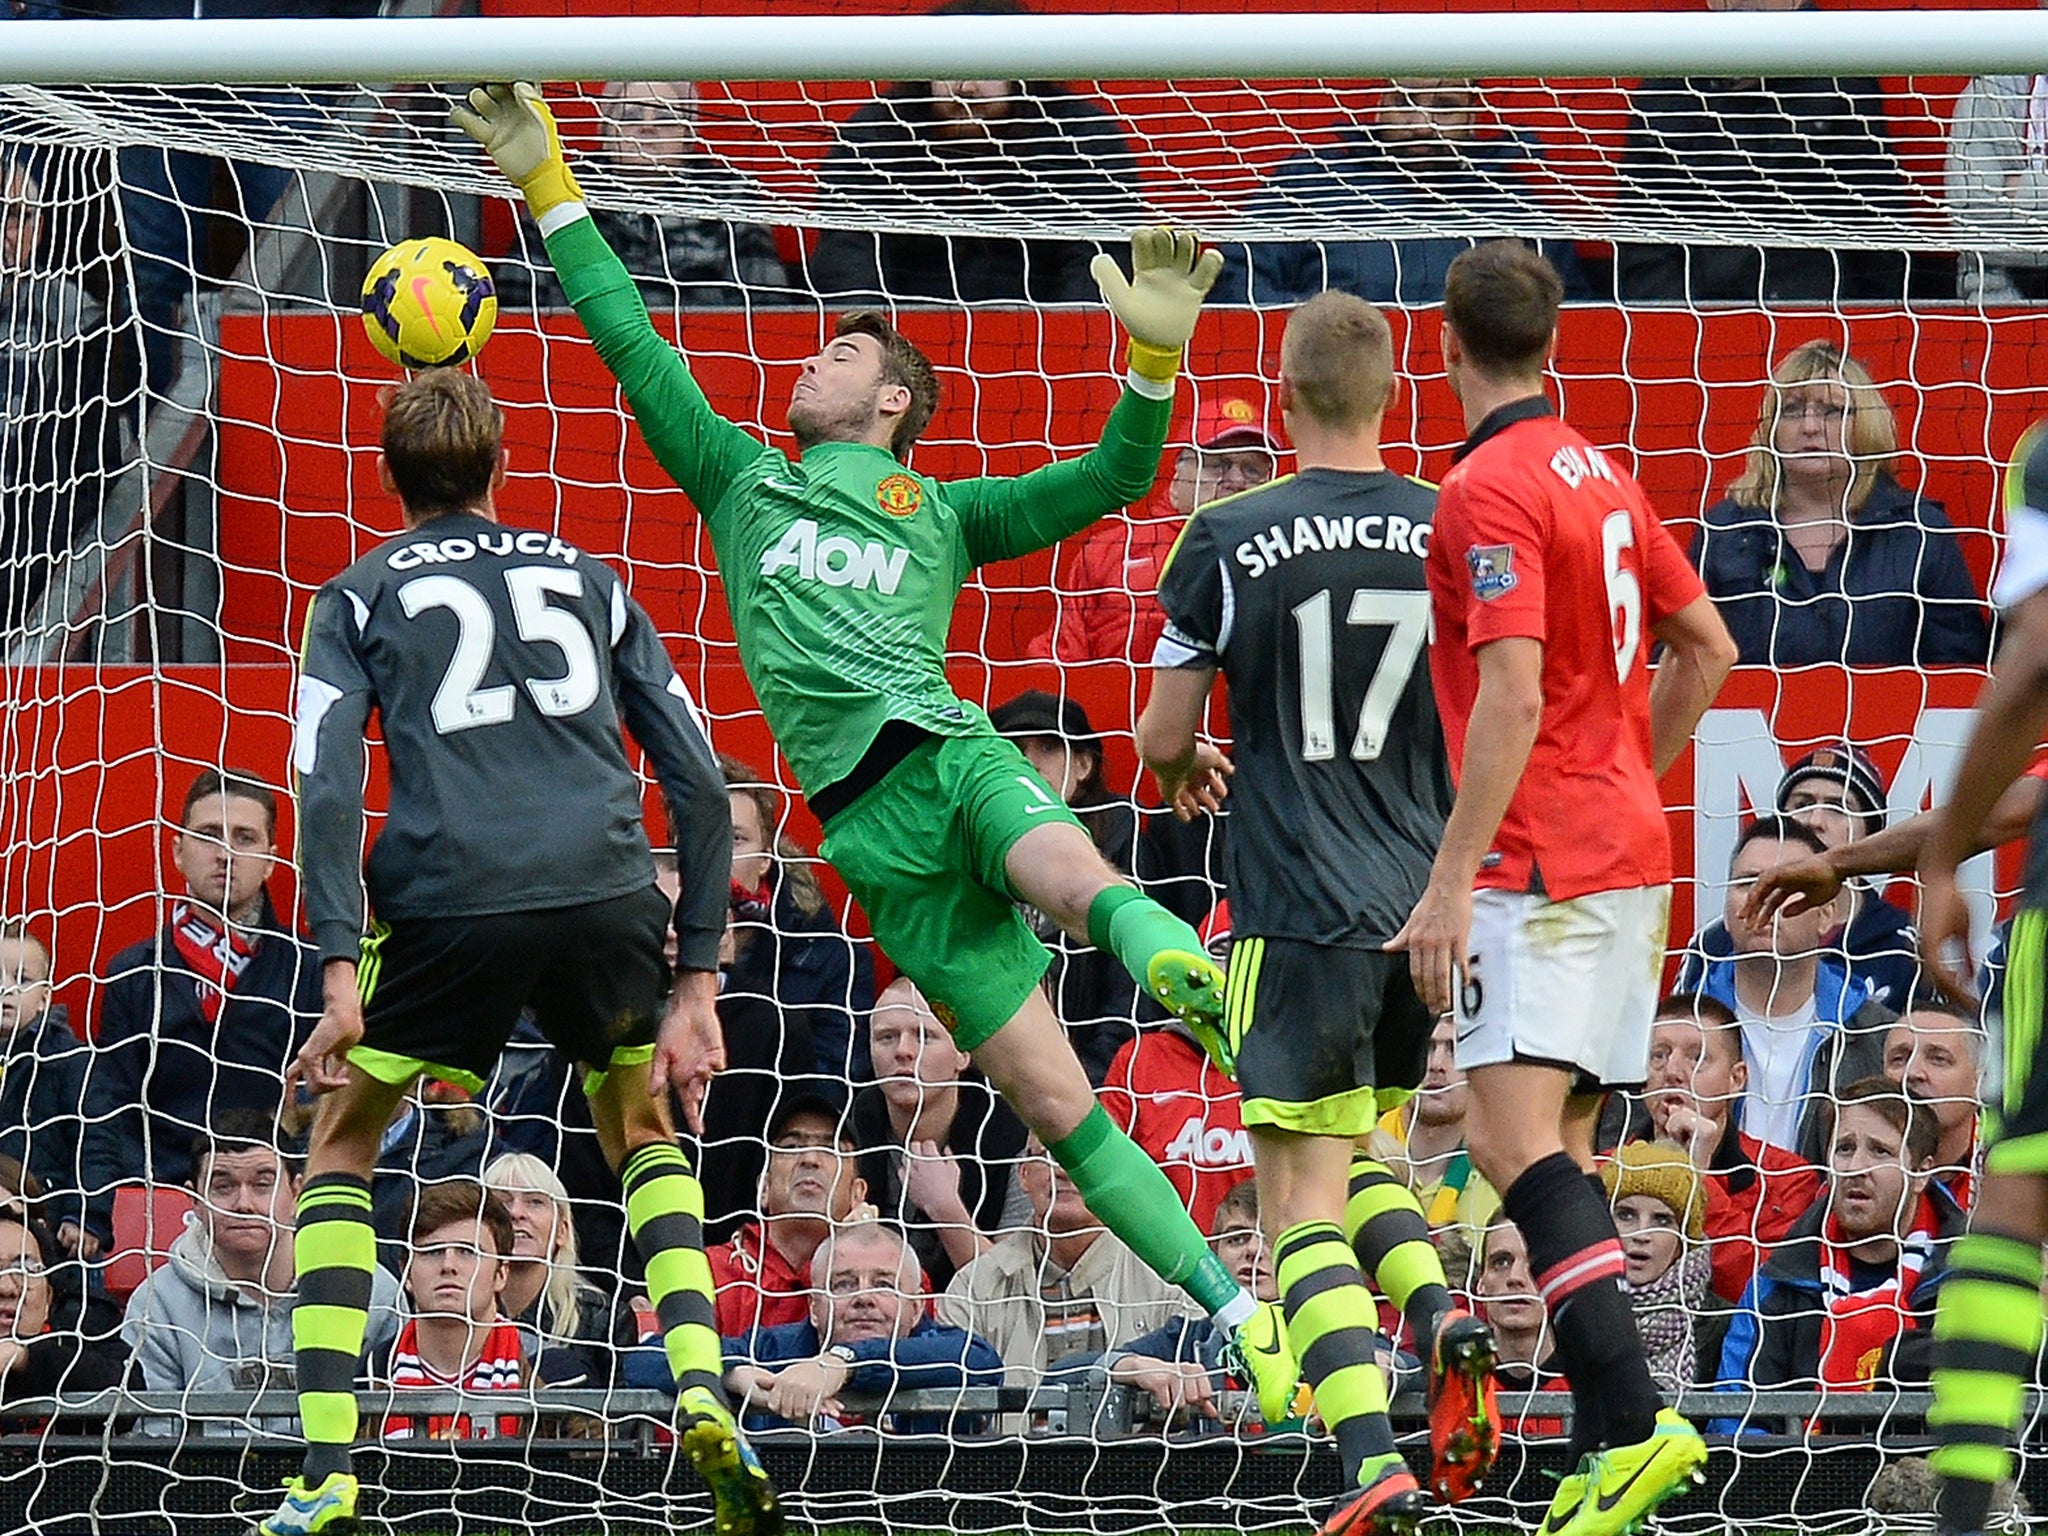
[1129,1192]
[1132,926]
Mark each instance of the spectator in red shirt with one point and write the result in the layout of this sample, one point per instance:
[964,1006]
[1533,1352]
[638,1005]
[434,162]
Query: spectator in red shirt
[1106,607]
[810,1185]
[1755,1192]
[1163,1089]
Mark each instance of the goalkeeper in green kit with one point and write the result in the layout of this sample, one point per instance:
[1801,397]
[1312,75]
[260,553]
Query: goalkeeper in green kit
[842,568]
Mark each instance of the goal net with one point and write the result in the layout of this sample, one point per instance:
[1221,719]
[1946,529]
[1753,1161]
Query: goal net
[188,451]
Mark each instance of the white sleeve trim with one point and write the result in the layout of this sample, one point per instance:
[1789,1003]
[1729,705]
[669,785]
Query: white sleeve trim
[1151,389]
[1229,621]
[316,697]
[618,612]
[676,686]
[561,216]
[2023,571]
[1169,655]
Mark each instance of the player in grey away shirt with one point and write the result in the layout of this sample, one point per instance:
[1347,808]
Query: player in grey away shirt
[1310,596]
[512,873]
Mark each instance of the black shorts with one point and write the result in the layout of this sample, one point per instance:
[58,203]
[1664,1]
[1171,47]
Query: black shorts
[1318,1029]
[441,994]
[2018,1142]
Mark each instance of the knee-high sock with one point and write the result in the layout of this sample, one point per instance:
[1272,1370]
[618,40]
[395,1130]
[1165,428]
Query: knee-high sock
[1133,1196]
[665,1212]
[1389,1234]
[1331,1324]
[336,1254]
[1987,1335]
[1132,926]
[1575,1256]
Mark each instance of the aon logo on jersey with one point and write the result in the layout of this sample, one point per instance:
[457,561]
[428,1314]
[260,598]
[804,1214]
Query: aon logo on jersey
[1209,1147]
[837,561]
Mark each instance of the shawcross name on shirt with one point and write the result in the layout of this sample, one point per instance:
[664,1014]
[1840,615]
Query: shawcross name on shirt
[837,561]
[1263,551]
[455,550]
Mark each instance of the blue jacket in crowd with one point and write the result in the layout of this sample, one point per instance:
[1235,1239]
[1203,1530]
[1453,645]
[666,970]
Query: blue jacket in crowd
[1847,1041]
[1774,1337]
[1895,593]
[931,1355]
[1488,179]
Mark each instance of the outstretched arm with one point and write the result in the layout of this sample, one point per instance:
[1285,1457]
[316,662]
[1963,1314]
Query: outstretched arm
[700,449]
[334,703]
[1799,886]
[2011,715]
[1158,305]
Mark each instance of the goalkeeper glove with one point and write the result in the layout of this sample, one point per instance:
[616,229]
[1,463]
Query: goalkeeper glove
[1160,302]
[517,130]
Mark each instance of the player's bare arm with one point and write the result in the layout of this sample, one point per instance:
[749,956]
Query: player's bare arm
[1505,717]
[1193,775]
[1805,883]
[690,1050]
[322,1062]
[1698,656]
[2011,715]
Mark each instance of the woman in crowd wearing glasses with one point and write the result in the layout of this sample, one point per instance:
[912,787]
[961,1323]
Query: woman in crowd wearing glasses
[1818,554]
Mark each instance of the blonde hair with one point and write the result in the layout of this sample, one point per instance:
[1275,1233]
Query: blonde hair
[1871,434]
[1337,354]
[523,1171]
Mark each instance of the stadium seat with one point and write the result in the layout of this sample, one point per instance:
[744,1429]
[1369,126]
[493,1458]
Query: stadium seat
[146,1223]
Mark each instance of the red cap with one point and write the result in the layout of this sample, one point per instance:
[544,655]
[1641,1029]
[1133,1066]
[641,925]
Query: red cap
[1232,419]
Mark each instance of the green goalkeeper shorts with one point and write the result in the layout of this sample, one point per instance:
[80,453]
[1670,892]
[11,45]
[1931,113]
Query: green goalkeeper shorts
[922,852]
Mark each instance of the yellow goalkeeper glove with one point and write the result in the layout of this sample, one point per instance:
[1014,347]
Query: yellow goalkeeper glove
[1160,301]
[517,130]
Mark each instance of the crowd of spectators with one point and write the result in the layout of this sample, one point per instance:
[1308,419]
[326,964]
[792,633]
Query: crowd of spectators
[1816,552]
[1786,1185]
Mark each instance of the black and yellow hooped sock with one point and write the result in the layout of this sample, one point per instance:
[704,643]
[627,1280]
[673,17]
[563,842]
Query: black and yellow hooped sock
[1330,1323]
[1987,1335]
[336,1255]
[1390,1235]
[665,1212]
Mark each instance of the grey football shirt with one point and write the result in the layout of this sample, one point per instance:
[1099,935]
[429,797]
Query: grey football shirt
[500,662]
[1310,596]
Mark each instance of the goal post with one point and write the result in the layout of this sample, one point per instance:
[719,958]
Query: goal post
[1270,46]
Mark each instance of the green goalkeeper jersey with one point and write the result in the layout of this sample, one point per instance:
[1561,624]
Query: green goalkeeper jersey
[842,567]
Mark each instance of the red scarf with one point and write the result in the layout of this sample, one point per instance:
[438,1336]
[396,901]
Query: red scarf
[1857,1325]
[216,957]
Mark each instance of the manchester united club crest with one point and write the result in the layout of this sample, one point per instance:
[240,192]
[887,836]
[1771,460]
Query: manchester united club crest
[899,495]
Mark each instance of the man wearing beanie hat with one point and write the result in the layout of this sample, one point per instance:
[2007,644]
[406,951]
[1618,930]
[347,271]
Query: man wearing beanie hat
[1106,610]
[1660,1211]
[1836,791]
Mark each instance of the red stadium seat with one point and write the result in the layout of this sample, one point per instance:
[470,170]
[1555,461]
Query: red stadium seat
[146,1223]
